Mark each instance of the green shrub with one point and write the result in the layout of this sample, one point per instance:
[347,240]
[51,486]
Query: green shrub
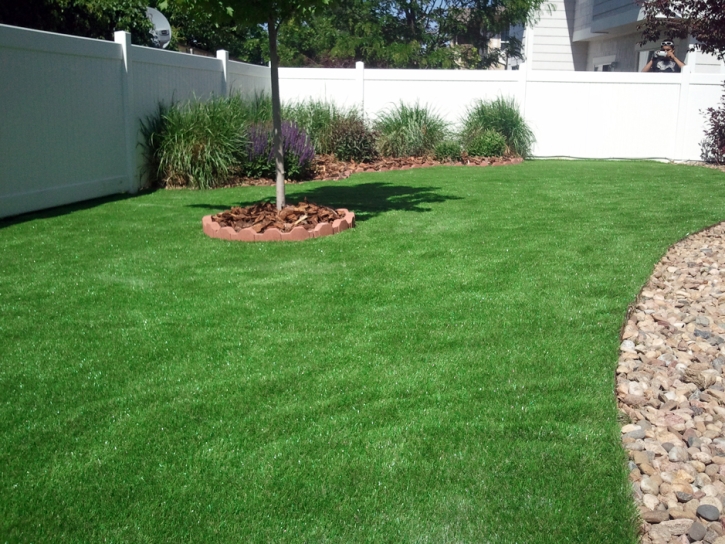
[405,131]
[351,140]
[487,144]
[448,150]
[196,144]
[501,115]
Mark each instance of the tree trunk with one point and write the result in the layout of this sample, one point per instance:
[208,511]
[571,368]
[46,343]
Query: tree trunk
[276,115]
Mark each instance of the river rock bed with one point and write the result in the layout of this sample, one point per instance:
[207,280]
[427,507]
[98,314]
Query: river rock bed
[671,394]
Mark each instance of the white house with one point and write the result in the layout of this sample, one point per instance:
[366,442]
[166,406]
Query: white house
[598,35]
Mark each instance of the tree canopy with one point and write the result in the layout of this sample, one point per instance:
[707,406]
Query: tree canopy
[89,18]
[406,33]
[381,33]
[702,19]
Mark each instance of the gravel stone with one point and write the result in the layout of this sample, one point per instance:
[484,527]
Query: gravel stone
[655,516]
[697,531]
[671,392]
[708,512]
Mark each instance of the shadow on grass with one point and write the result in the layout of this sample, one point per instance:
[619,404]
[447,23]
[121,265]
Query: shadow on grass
[69,208]
[367,200]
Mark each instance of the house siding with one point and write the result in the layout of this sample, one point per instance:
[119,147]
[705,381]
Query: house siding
[553,47]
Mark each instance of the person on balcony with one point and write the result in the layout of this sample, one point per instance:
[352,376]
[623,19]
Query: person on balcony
[664,60]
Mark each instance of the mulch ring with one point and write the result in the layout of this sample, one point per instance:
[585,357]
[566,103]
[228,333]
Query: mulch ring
[328,168]
[263,223]
[264,215]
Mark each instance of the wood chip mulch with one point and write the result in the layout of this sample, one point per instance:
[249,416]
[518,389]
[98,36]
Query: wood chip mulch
[328,168]
[264,215]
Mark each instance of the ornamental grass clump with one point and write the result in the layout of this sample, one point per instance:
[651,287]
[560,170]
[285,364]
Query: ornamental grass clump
[196,144]
[299,152]
[405,131]
[256,108]
[501,115]
[315,117]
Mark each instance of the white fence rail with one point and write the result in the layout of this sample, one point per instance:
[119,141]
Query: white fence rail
[71,108]
[573,114]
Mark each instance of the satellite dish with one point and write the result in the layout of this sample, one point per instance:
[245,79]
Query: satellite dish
[161,34]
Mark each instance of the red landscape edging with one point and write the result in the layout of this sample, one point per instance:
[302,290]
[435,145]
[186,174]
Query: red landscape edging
[215,230]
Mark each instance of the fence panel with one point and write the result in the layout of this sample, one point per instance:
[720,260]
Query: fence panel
[248,79]
[71,108]
[62,136]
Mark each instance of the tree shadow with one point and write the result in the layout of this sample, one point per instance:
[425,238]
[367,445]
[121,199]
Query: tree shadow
[69,208]
[367,200]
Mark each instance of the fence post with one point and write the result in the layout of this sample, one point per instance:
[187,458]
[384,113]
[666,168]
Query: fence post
[124,40]
[223,56]
[360,80]
[525,67]
[681,130]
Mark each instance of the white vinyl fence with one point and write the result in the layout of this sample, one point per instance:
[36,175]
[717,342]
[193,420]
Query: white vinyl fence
[573,114]
[71,108]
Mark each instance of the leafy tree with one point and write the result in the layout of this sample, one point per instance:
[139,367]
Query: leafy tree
[89,18]
[407,33]
[200,29]
[703,19]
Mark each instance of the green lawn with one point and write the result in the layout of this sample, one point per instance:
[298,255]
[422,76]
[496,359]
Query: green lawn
[442,373]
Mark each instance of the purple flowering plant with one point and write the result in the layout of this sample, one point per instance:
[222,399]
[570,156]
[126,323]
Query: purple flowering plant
[299,151]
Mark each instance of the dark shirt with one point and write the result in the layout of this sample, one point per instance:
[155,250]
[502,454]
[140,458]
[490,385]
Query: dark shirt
[664,65]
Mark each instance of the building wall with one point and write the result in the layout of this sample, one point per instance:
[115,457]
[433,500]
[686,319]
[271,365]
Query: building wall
[609,14]
[552,44]
[622,48]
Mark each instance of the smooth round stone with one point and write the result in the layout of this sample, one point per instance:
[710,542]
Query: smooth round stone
[697,531]
[709,512]
[682,496]
[656,516]
[678,454]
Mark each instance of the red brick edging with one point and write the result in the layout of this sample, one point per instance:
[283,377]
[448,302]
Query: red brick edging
[215,230]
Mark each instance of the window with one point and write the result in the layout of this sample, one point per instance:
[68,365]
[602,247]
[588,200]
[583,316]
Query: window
[605,64]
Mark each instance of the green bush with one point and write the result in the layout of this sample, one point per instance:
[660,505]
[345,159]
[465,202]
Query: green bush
[447,150]
[352,140]
[405,131]
[196,144]
[487,144]
[501,115]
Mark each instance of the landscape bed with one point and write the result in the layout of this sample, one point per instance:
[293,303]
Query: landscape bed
[444,372]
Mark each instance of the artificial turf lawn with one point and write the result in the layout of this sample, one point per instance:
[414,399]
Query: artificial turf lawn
[442,373]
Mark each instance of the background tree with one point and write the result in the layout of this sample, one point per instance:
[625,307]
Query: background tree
[407,33]
[200,29]
[88,18]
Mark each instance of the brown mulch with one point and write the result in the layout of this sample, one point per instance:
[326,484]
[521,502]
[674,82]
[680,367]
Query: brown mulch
[264,215]
[328,168]
[720,167]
